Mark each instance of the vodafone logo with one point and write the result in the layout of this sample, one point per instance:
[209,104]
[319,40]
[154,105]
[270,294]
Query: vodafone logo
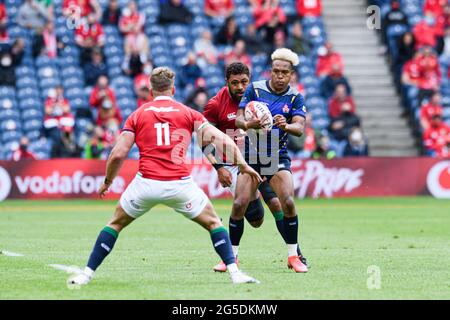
[5,184]
[438,180]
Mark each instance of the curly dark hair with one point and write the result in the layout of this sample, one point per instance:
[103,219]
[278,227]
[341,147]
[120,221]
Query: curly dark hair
[236,68]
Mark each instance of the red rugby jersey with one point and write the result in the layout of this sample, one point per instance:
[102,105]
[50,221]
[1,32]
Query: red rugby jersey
[163,130]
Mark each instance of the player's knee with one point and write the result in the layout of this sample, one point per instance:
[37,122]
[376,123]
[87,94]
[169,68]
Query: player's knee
[256,224]
[239,207]
[213,223]
[289,205]
[274,205]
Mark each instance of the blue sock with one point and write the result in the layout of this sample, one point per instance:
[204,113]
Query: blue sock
[222,245]
[103,246]
[236,231]
[291,230]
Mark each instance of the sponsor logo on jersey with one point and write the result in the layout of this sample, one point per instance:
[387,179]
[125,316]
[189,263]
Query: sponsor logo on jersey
[5,184]
[231,116]
[438,180]
[188,205]
[161,109]
[285,108]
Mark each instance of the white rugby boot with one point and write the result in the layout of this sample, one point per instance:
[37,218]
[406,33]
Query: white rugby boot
[240,277]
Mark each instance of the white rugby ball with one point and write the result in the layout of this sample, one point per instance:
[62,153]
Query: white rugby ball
[257,110]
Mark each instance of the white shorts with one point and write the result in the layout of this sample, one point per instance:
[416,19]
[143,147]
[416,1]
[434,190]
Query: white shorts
[234,170]
[182,195]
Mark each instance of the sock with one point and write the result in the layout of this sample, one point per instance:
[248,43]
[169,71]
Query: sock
[292,250]
[232,268]
[235,250]
[279,220]
[103,246]
[236,231]
[291,230]
[222,245]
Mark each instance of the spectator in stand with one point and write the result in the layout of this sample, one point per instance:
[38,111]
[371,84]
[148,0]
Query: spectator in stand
[109,116]
[198,101]
[32,15]
[323,149]
[327,58]
[9,60]
[173,11]
[269,17]
[131,21]
[435,6]
[410,72]
[58,123]
[406,48]
[238,54]
[96,146]
[357,145]
[229,33]
[200,87]
[22,153]
[143,79]
[395,16]
[341,126]
[4,37]
[279,41]
[446,48]
[427,111]
[340,101]
[100,92]
[255,42]
[143,96]
[309,8]
[429,73]
[305,145]
[136,53]
[81,8]
[425,32]
[46,42]
[436,138]
[112,14]
[296,84]
[205,50]
[219,8]
[297,42]
[190,72]
[328,85]
[95,68]
[89,36]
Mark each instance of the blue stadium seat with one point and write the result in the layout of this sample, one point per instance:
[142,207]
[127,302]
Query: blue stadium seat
[32,125]
[26,82]
[7,102]
[7,92]
[31,114]
[9,114]
[10,136]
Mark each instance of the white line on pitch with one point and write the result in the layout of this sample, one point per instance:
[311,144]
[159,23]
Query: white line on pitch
[68,269]
[11,254]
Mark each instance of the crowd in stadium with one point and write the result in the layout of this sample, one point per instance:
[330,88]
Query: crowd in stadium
[72,71]
[417,39]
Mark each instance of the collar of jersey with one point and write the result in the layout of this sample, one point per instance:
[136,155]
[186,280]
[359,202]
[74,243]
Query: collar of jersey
[162,98]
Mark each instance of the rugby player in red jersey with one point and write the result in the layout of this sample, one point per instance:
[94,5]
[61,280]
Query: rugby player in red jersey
[162,131]
[221,111]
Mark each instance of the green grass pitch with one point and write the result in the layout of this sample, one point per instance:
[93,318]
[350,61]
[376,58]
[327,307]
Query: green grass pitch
[164,256]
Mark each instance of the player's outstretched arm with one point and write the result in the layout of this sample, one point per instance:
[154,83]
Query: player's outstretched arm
[209,134]
[115,160]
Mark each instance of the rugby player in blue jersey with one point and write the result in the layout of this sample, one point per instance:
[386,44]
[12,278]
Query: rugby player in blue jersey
[267,152]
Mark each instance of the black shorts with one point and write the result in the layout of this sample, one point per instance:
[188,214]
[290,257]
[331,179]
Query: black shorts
[269,170]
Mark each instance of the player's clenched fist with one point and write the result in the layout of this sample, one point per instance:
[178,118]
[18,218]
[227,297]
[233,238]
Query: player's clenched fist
[280,122]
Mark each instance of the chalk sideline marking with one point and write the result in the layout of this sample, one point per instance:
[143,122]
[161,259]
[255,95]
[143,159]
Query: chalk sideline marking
[11,254]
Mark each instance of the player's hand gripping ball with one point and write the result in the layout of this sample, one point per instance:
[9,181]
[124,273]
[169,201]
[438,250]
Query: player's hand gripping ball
[255,110]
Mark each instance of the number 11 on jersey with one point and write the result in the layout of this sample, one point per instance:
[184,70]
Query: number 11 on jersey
[160,127]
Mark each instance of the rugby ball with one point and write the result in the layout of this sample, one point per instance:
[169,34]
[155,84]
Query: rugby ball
[257,110]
